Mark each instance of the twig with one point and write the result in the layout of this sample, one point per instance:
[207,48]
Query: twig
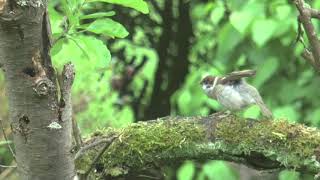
[5,166]
[147,177]
[96,159]
[305,18]
[306,54]
[140,65]
[299,37]
[6,139]
[314,13]
[137,101]
[89,146]
[76,133]
[227,10]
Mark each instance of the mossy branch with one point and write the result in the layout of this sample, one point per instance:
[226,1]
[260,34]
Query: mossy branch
[262,144]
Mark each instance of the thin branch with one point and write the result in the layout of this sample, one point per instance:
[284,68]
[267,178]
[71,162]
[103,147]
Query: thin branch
[305,19]
[76,133]
[6,139]
[137,101]
[5,166]
[299,37]
[140,65]
[307,55]
[96,159]
[314,13]
[227,10]
[83,150]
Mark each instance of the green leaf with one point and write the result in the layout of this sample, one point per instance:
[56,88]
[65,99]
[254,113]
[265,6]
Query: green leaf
[184,101]
[265,70]
[71,10]
[289,175]
[218,170]
[241,20]
[288,112]
[313,117]
[186,171]
[228,38]
[283,11]
[217,13]
[262,31]
[98,15]
[57,47]
[139,5]
[252,112]
[107,27]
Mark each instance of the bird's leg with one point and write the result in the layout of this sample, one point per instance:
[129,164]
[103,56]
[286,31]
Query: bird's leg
[223,113]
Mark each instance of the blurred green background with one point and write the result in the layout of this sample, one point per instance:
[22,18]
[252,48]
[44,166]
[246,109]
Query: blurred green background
[145,61]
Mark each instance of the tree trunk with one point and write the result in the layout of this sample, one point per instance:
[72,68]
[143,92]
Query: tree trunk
[40,122]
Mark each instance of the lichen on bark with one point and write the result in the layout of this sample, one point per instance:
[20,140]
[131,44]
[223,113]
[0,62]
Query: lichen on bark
[262,144]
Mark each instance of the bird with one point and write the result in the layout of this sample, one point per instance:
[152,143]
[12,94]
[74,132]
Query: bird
[233,92]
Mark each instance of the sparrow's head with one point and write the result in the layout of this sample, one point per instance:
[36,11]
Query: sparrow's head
[208,83]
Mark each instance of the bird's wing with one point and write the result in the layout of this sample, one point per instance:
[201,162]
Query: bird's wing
[237,75]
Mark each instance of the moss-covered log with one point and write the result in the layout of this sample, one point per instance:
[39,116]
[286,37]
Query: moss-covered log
[263,144]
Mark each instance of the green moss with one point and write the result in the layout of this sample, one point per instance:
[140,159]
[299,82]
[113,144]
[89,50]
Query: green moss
[291,144]
[164,142]
[141,144]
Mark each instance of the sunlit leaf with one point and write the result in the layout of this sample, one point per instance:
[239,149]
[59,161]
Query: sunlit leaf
[98,15]
[289,175]
[252,112]
[288,112]
[266,69]
[218,170]
[241,20]
[314,117]
[184,101]
[186,171]
[108,27]
[262,30]
[228,38]
[56,47]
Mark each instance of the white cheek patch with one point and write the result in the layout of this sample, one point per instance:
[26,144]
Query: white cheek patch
[207,89]
[204,87]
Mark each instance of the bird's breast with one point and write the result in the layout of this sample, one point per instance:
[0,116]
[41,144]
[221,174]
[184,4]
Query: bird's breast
[230,98]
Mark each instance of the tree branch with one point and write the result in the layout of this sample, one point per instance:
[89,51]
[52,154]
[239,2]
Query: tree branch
[314,13]
[263,144]
[305,18]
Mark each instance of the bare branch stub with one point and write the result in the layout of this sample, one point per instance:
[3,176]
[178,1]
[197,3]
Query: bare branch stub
[314,13]
[306,14]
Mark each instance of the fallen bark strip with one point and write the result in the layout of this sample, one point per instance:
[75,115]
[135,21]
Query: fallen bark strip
[262,144]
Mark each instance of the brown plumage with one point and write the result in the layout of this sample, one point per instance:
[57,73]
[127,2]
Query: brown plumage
[233,92]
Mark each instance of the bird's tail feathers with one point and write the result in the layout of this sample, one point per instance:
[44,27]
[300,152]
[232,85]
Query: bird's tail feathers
[265,110]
